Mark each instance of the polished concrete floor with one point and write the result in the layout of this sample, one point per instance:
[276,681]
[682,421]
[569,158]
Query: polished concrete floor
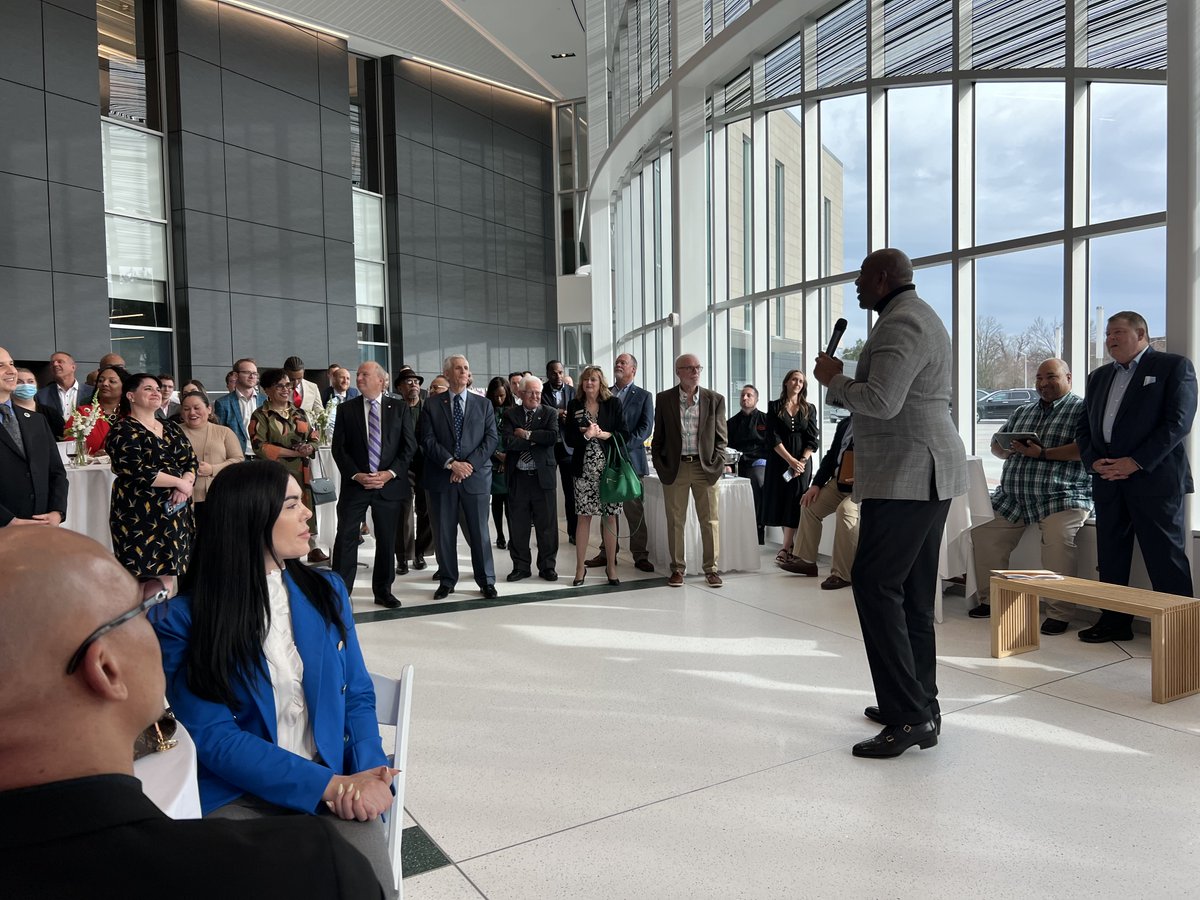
[650,742]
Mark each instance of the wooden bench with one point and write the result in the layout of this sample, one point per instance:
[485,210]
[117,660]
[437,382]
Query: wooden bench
[1174,625]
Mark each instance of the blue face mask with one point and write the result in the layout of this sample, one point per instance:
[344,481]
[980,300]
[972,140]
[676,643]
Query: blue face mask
[25,391]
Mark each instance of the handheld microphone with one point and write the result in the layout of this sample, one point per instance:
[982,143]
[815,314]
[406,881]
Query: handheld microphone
[839,328]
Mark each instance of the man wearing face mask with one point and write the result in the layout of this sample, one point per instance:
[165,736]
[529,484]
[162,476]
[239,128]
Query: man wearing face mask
[33,490]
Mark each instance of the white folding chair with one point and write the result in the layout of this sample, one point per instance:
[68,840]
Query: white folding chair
[393,706]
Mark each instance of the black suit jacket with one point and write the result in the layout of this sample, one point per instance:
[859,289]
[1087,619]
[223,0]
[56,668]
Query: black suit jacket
[398,443]
[116,843]
[611,418]
[1152,424]
[48,397]
[543,434]
[829,462]
[37,483]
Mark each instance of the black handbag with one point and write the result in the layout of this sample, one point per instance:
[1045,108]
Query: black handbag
[618,482]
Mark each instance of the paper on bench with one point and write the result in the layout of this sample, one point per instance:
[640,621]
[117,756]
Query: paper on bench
[1028,574]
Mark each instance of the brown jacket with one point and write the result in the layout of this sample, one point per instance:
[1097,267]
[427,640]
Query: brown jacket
[666,445]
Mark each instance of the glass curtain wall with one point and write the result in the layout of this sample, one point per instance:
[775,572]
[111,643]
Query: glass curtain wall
[366,176]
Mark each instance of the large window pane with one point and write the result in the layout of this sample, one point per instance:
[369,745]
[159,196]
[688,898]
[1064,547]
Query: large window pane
[1128,272]
[919,147]
[785,246]
[741,349]
[143,351]
[843,240]
[785,317]
[368,226]
[739,198]
[133,171]
[1129,150]
[128,70]
[1019,160]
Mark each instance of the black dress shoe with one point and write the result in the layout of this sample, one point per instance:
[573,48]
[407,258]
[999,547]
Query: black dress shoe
[549,575]
[489,592]
[644,565]
[1102,634]
[1054,626]
[982,611]
[895,739]
[500,543]
[437,576]
[596,561]
[402,569]
[517,576]
[419,563]
[872,713]
[389,601]
[443,591]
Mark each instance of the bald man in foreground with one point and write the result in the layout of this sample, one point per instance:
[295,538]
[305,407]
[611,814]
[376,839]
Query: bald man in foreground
[73,697]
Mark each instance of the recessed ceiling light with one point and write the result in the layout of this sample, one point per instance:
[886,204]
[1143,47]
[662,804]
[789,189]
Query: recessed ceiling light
[561,55]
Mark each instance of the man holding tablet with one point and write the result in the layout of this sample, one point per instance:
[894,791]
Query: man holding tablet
[1043,481]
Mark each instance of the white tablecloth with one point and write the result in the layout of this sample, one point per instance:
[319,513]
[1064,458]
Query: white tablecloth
[89,492]
[966,511]
[169,778]
[738,530]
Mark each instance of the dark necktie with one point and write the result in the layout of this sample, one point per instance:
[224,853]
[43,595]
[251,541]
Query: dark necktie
[458,425]
[526,455]
[374,443]
[11,426]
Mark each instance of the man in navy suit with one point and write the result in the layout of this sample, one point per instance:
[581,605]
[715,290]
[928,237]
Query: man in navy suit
[557,393]
[33,489]
[372,446]
[235,408]
[339,386]
[637,407]
[64,394]
[458,438]
[1131,440]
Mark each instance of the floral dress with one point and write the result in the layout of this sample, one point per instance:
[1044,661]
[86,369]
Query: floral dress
[147,540]
[271,432]
[587,487]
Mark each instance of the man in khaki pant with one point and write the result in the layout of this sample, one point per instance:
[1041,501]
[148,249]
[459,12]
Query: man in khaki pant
[688,449]
[1043,481]
[829,493]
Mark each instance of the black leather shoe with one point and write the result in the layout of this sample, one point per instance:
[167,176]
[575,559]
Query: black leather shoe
[596,561]
[895,739]
[443,591]
[1102,634]
[1054,626]
[418,563]
[489,592]
[982,611]
[517,576]
[389,601]
[501,544]
[549,575]
[402,569]
[644,565]
[872,713]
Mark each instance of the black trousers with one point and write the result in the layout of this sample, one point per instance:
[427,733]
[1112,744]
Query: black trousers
[414,537]
[757,475]
[895,579]
[531,507]
[1158,525]
[563,460]
[352,508]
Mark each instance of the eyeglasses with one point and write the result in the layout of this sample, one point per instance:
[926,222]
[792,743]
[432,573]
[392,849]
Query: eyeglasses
[154,599]
[689,368]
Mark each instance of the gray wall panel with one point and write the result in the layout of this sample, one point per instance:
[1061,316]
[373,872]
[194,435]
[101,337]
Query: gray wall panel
[24,151]
[198,173]
[211,332]
[76,244]
[270,51]
[29,312]
[25,239]
[69,39]
[271,329]
[270,121]
[73,150]
[194,23]
[270,191]
[81,315]
[339,272]
[21,43]
[274,262]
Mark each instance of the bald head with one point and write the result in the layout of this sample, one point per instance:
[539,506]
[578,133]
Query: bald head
[58,587]
[1053,379]
[881,273]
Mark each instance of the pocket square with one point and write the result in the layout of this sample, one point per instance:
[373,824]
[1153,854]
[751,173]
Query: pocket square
[1149,380]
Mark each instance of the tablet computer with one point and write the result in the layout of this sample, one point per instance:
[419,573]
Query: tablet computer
[1005,438]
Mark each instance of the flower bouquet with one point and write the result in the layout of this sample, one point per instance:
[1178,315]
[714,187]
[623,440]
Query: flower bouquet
[81,426]
[323,420]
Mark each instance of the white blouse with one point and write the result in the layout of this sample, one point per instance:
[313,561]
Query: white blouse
[286,669]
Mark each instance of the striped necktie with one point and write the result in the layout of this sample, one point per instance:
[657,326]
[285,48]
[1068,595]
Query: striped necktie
[374,443]
[526,456]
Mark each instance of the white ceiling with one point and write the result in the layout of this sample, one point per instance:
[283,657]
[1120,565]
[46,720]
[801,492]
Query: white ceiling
[509,41]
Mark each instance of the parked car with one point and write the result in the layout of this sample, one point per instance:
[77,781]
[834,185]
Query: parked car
[1003,403]
[980,394]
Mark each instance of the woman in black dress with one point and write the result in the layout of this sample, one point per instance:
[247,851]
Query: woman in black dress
[501,400]
[593,417]
[794,439]
[150,517]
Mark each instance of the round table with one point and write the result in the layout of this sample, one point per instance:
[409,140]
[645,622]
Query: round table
[738,550]
[89,493]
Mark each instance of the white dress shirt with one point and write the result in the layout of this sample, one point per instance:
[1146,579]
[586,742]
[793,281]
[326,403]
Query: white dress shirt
[67,398]
[292,729]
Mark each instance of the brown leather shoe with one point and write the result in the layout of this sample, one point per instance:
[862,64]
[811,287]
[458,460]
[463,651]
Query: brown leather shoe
[798,566]
[596,561]
[713,579]
[833,583]
[676,580]
[317,555]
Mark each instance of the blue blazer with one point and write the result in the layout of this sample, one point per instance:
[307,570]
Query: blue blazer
[229,414]
[236,751]
[351,393]
[1152,423]
[479,440]
[48,395]
[638,410]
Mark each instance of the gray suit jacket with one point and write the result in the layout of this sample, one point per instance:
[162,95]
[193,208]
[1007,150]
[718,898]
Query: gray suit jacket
[904,439]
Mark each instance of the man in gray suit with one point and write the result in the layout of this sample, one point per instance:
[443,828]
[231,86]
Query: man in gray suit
[458,437]
[909,463]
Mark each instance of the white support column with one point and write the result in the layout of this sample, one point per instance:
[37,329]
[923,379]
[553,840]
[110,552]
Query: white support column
[689,242]
[599,210]
[962,193]
[760,353]
[1183,200]
[1077,146]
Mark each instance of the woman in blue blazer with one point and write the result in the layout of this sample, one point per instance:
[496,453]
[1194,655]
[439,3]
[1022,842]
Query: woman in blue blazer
[264,669]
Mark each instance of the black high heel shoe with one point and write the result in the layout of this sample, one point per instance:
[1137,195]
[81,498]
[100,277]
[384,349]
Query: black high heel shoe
[578,580]
[611,580]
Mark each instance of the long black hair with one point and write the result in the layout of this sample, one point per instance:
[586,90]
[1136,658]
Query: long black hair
[227,581]
[129,384]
